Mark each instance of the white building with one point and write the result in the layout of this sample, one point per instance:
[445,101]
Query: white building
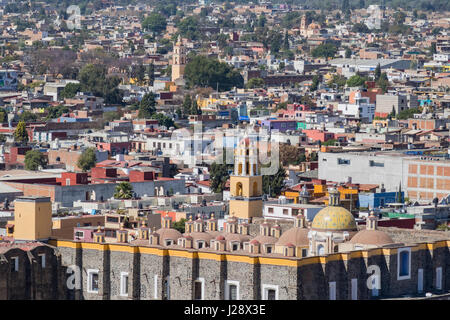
[361,109]
[288,211]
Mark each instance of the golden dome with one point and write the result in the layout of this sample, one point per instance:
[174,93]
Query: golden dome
[334,218]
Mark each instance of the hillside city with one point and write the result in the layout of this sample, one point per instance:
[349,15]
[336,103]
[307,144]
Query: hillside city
[224,150]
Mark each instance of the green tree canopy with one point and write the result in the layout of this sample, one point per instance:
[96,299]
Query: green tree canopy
[56,112]
[147,106]
[255,83]
[155,22]
[70,90]
[21,134]
[94,79]
[34,159]
[273,184]
[325,50]
[208,72]
[124,190]
[27,116]
[87,159]
[188,28]
[356,81]
[218,176]
[179,225]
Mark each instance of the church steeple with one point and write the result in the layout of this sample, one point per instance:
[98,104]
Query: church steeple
[246,183]
[178,59]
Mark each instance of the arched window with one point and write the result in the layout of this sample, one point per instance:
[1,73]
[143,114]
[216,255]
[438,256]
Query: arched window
[320,250]
[336,248]
[255,189]
[239,189]
[240,168]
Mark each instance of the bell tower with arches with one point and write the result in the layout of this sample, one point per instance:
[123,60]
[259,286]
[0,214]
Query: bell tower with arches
[246,182]
[178,60]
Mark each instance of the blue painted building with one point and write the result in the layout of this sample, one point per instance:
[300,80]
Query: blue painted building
[377,200]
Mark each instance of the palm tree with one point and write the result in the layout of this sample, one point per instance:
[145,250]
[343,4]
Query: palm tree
[124,190]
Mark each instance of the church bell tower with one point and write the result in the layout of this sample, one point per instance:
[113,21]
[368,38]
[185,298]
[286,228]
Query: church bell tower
[246,182]
[178,60]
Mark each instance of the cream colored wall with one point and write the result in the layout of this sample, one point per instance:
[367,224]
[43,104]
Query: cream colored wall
[32,220]
[247,185]
[246,209]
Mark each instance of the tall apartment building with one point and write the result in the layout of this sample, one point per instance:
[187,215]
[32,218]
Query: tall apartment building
[422,178]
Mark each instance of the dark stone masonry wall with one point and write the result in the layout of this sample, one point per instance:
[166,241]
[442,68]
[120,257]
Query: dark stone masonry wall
[162,273]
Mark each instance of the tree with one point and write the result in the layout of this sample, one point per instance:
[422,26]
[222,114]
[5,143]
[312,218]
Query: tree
[360,28]
[187,104]
[163,120]
[94,79]
[209,72]
[315,82]
[383,82]
[180,225]
[325,50]
[188,28]
[218,176]
[70,90]
[151,73]
[155,22]
[138,72]
[286,41]
[3,116]
[195,110]
[338,81]
[356,81]
[87,159]
[147,106]
[255,83]
[21,134]
[34,159]
[330,142]
[289,154]
[273,184]
[124,190]
[27,116]
[56,112]
[377,72]
[348,53]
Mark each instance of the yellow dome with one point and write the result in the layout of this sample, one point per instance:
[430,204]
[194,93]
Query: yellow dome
[334,218]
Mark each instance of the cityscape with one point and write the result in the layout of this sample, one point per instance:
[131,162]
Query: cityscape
[225,150]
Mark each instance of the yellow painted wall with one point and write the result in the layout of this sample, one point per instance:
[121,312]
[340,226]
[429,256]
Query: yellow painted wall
[247,185]
[32,220]
[246,209]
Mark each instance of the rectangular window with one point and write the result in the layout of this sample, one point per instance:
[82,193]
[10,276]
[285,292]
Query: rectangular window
[332,286]
[124,284]
[404,263]
[93,281]
[198,290]
[14,264]
[420,280]
[304,252]
[79,234]
[42,260]
[270,210]
[439,278]
[269,292]
[376,164]
[354,289]
[343,161]
[285,211]
[231,290]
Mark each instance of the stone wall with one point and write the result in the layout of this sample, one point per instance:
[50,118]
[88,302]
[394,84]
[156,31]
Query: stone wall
[294,278]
